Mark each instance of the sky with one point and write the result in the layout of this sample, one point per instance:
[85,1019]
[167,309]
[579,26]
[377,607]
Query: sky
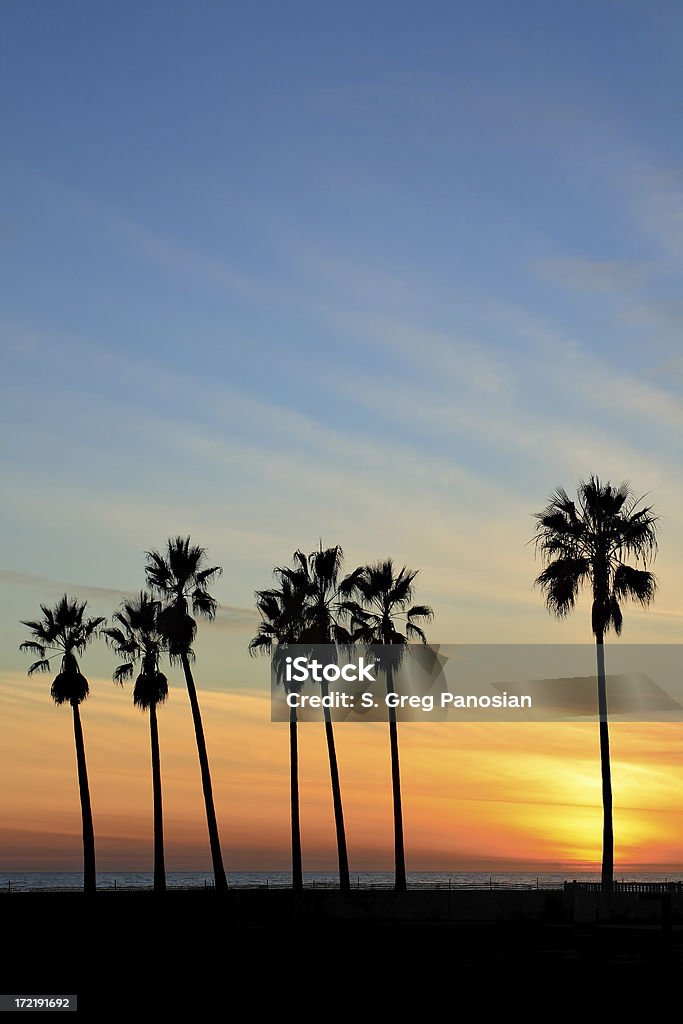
[372,273]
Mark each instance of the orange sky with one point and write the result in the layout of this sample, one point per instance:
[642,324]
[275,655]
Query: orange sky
[475,796]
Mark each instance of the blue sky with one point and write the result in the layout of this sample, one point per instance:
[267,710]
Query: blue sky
[384,273]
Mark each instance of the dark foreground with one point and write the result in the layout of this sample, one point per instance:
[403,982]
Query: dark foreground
[257,956]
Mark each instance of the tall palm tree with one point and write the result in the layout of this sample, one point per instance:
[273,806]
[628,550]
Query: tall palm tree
[584,543]
[383,598]
[66,632]
[281,617]
[138,640]
[181,578]
[316,577]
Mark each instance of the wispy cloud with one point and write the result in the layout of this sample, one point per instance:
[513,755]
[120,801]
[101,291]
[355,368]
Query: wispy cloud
[228,617]
[606,277]
[87,591]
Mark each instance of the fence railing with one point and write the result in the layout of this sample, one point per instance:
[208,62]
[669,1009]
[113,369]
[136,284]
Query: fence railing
[358,884]
[641,887]
[364,885]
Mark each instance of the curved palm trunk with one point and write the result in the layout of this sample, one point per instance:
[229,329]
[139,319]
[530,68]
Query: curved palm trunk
[342,852]
[400,884]
[214,840]
[159,865]
[606,771]
[89,874]
[297,870]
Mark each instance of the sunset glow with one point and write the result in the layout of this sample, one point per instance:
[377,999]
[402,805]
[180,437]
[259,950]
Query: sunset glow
[476,797]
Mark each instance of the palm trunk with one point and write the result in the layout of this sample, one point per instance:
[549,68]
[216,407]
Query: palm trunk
[606,771]
[342,853]
[89,874]
[159,865]
[297,870]
[400,884]
[214,840]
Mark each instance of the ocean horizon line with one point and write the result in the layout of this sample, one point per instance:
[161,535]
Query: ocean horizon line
[31,881]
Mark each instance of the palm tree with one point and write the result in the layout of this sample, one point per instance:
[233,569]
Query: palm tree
[383,597]
[316,578]
[66,632]
[584,543]
[137,639]
[281,617]
[181,578]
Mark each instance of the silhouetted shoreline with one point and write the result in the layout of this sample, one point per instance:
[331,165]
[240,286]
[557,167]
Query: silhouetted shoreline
[336,952]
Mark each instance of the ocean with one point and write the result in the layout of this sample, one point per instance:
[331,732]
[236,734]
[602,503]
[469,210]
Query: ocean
[33,881]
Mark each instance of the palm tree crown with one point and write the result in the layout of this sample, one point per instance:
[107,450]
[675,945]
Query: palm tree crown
[384,598]
[315,578]
[585,543]
[181,578]
[137,638]
[282,621]
[65,631]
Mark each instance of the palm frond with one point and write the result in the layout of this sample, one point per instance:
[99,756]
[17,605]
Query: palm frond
[33,648]
[354,612]
[86,633]
[401,591]
[414,632]
[49,615]
[203,603]
[208,576]
[268,604]
[635,584]
[41,630]
[115,637]
[638,536]
[158,573]
[349,584]
[262,643]
[123,672]
[325,565]
[616,618]
[421,611]
[560,582]
[183,559]
[39,666]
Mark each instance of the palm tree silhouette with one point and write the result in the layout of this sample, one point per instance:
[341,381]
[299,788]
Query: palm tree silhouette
[583,543]
[181,578]
[138,639]
[65,631]
[316,578]
[281,623]
[382,598]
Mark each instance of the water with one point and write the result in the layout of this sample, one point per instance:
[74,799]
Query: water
[27,881]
